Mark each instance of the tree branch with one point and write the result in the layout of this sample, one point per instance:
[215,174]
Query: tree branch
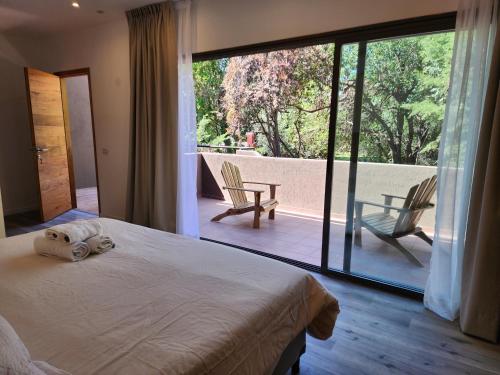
[310,110]
[288,149]
[382,122]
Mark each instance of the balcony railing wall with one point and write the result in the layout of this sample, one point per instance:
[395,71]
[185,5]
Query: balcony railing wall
[303,182]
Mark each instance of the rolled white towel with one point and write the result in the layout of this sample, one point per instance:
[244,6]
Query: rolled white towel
[75,231]
[100,244]
[75,251]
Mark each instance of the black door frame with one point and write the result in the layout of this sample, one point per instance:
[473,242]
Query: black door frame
[361,35]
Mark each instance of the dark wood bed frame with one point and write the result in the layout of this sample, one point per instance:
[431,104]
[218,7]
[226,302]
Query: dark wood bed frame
[291,355]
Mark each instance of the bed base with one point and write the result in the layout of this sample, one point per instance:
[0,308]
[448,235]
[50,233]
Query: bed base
[290,359]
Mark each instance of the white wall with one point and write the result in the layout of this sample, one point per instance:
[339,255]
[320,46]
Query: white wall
[104,50]
[17,168]
[219,24]
[229,23]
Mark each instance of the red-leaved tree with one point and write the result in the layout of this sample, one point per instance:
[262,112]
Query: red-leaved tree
[259,89]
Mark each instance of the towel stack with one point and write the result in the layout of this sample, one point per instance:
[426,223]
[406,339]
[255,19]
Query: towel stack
[74,241]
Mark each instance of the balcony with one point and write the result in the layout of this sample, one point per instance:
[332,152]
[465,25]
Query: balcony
[296,232]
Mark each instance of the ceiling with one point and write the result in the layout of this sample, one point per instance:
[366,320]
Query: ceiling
[46,17]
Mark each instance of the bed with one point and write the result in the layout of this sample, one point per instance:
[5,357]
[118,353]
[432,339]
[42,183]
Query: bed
[161,303]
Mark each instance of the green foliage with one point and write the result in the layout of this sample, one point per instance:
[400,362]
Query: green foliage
[208,77]
[207,130]
[284,97]
[405,89]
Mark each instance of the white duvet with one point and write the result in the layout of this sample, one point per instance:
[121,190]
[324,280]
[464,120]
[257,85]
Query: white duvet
[159,303]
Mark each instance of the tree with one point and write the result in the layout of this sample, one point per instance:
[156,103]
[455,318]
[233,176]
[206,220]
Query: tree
[212,126]
[405,88]
[272,93]
[284,97]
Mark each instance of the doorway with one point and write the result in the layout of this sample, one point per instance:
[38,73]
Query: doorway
[80,138]
[63,147]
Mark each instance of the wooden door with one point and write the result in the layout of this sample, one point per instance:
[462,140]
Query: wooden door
[49,142]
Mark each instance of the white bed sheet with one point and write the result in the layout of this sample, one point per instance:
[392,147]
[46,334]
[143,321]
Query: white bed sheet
[159,303]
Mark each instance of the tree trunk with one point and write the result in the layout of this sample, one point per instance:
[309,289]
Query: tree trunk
[410,159]
[276,135]
[396,155]
[400,121]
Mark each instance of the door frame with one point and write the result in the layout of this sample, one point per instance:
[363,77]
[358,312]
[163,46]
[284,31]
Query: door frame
[67,126]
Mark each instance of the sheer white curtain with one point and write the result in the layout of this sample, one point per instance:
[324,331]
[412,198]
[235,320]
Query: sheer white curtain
[459,137]
[187,209]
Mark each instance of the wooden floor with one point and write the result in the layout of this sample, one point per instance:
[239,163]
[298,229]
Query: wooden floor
[376,332]
[382,333]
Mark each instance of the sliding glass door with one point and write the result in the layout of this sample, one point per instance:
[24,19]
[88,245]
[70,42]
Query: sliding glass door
[390,106]
[267,114]
[348,125]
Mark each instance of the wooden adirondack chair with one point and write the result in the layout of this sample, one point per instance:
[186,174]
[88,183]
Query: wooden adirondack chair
[237,191]
[389,228]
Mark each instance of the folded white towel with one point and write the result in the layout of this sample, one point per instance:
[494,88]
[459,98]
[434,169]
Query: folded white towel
[75,231]
[100,244]
[74,251]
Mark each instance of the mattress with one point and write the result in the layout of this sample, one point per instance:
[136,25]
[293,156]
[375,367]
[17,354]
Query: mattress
[159,303]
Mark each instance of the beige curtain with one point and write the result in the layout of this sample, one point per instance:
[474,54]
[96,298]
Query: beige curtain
[480,302]
[152,188]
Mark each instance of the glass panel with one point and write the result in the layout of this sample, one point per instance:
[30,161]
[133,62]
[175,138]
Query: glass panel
[343,137]
[404,93]
[268,114]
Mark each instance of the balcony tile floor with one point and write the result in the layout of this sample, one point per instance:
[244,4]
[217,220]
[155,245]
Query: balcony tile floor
[297,236]
[86,200]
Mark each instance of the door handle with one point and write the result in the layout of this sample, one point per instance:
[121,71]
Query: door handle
[39,149]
